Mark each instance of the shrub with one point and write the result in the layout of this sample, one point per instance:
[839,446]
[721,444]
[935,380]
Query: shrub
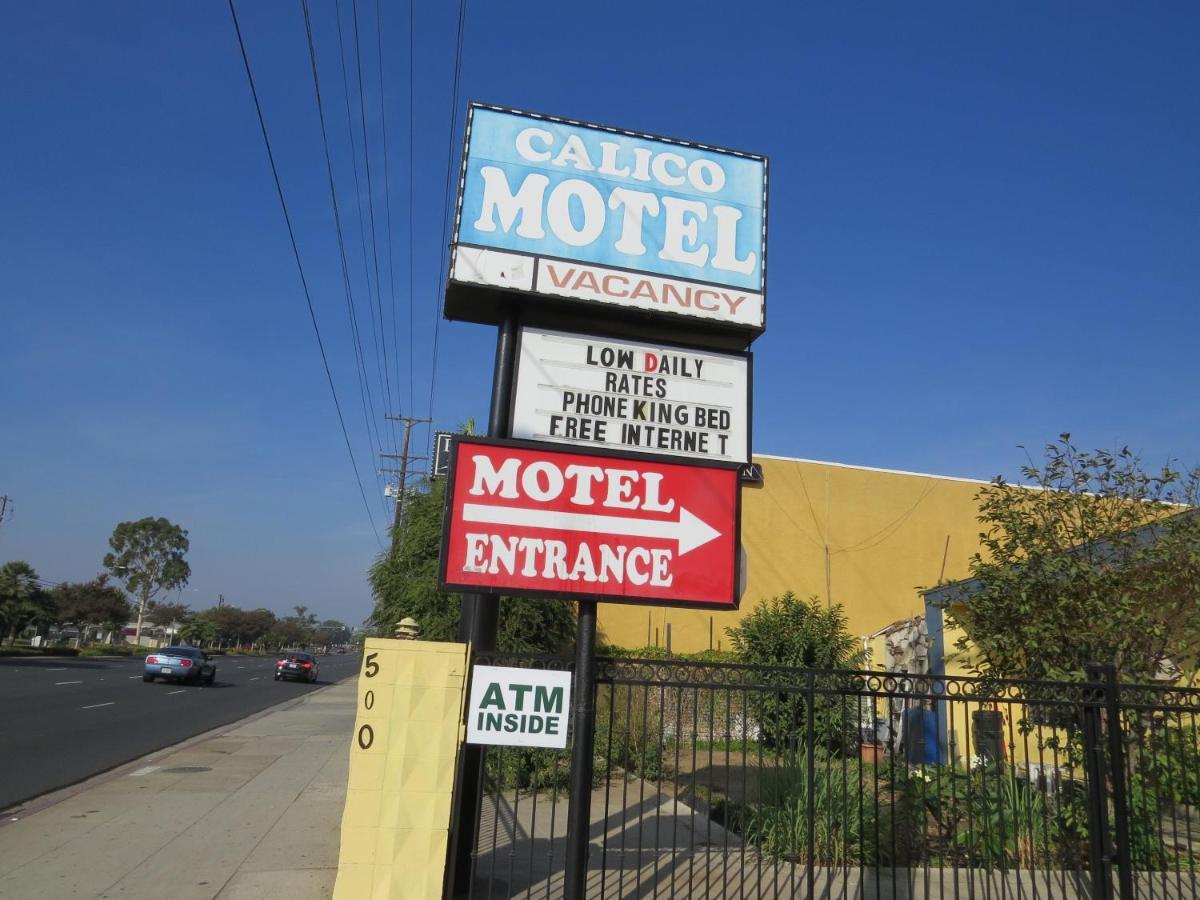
[788,631]
[844,826]
[629,730]
[528,768]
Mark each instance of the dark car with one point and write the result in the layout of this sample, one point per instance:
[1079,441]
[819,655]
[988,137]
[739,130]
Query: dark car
[294,665]
[187,664]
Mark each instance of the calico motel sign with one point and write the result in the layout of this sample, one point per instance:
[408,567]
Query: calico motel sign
[607,220]
[628,395]
[526,520]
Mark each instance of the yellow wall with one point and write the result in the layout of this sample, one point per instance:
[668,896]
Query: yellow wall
[886,533]
[408,729]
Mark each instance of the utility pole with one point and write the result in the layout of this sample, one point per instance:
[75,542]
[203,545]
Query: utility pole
[404,457]
[4,501]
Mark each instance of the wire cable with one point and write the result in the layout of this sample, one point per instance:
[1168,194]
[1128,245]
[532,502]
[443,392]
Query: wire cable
[358,192]
[364,386]
[412,27]
[362,115]
[312,315]
[387,201]
[443,275]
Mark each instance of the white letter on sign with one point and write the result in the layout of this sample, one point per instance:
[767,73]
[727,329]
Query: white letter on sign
[525,144]
[636,203]
[490,481]
[620,489]
[532,486]
[680,228]
[558,212]
[584,477]
[527,202]
[726,256]
[651,502]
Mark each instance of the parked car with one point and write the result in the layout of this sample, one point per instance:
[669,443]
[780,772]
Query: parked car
[295,665]
[188,664]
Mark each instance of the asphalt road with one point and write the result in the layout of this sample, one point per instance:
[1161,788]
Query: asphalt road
[64,720]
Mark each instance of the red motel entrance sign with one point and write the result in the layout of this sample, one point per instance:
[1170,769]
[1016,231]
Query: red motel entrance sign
[526,520]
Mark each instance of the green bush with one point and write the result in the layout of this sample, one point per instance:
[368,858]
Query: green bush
[527,768]
[38,651]
[114,650]
[788,631]
[629,730]
[844,822]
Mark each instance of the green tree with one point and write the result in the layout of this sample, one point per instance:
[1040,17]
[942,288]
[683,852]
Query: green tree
[23,601]
[198,631]
[803,634]
[94,602]
[148,556]
[164,615]
[331,631]
[1093,558]
[404,583]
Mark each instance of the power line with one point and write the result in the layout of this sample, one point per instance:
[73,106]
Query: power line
[446,220]
[364,386]
[362,114]
[412,28]
[312,315]
[387,194]
[362,226]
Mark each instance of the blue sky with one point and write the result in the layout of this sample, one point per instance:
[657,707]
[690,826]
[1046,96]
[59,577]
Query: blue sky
[985,230]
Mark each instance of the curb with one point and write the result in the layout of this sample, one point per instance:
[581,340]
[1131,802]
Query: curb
[23,811]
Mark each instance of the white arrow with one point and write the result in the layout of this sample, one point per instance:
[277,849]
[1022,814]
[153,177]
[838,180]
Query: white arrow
[688,530]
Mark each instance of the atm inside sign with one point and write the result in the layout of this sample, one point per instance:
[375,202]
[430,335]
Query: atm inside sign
[518,707]
[523,519]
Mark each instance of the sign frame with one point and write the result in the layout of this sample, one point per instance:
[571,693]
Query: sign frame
[447,586]
[440,454]
[487,303]
[602,334]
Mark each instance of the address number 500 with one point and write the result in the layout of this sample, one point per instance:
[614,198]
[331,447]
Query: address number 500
[366,734]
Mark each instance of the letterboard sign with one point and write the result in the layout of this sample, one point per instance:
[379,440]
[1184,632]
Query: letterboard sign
[648,398]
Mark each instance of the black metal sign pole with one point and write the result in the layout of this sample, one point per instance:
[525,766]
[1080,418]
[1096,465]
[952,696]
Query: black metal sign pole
[580,812]
[478,618]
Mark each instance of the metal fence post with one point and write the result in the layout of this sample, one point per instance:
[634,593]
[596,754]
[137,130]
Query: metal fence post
[1116,763]
[810,742]
[1094,694]
[579,813]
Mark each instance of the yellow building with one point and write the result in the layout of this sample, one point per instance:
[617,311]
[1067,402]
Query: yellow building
[862,537]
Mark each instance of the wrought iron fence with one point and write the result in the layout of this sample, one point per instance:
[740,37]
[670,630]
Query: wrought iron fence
[717,780]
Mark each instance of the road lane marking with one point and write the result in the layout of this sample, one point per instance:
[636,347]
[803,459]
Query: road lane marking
[135,676]
[169,693]
[60,683]
[60,669]
[98,705]
[255,678]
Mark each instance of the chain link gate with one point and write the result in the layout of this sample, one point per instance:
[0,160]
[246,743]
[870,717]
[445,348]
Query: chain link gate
[716,780]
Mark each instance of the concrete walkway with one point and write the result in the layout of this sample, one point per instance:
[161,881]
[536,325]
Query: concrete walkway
[250,811]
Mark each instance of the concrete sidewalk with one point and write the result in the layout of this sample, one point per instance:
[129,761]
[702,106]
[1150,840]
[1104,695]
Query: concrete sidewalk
[253,810]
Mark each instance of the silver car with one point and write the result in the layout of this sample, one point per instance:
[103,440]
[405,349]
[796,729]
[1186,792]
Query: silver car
[187,664]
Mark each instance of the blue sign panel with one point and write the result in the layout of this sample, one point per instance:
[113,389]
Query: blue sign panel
[592,213]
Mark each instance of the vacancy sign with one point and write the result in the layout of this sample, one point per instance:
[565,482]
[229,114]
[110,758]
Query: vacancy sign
[526,520]
[589,213]
[518,707]
[626,395]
